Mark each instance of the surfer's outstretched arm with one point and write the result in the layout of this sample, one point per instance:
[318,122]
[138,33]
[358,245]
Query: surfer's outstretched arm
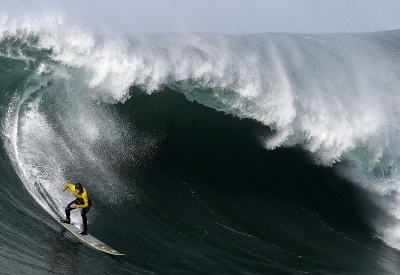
[68,185]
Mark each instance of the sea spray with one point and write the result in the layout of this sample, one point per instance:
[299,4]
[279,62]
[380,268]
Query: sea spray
[333,95]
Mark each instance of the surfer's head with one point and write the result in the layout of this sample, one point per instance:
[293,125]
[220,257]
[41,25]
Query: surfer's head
[79,187]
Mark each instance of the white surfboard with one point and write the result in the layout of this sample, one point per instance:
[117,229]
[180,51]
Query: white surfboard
[91,241]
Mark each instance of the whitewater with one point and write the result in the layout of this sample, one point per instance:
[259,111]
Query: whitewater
[334,97]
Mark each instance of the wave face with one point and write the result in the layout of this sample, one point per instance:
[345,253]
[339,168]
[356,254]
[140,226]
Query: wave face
[274,153]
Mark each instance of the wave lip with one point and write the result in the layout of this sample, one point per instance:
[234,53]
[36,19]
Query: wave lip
[333,95]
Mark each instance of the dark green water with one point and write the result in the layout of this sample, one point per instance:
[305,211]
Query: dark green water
[180,186]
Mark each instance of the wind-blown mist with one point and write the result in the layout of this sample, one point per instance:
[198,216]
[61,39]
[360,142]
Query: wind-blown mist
[335,96]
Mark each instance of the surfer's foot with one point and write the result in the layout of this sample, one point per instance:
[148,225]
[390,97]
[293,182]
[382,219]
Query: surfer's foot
[83,233]
[65,221]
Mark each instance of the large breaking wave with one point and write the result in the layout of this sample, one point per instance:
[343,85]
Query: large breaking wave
[336,96]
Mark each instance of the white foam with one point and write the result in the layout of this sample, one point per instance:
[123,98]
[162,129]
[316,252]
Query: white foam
[336,96]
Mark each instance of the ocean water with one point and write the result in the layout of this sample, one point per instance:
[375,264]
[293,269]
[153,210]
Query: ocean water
[202,153]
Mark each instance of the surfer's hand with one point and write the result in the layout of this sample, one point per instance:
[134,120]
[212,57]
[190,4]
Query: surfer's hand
[73,205]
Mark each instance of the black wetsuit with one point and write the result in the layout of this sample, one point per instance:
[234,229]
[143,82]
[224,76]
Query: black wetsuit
[82,201]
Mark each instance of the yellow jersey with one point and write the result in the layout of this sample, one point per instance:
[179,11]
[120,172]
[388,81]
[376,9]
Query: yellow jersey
[83,196]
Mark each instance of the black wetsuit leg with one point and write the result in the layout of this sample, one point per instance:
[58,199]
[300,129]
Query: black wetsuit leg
[68,209]
[83,212]
[84,219]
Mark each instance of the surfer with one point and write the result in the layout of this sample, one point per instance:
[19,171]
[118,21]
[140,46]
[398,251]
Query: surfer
[82,201]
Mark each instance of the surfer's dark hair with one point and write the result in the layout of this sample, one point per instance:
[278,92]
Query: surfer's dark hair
[78,186]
